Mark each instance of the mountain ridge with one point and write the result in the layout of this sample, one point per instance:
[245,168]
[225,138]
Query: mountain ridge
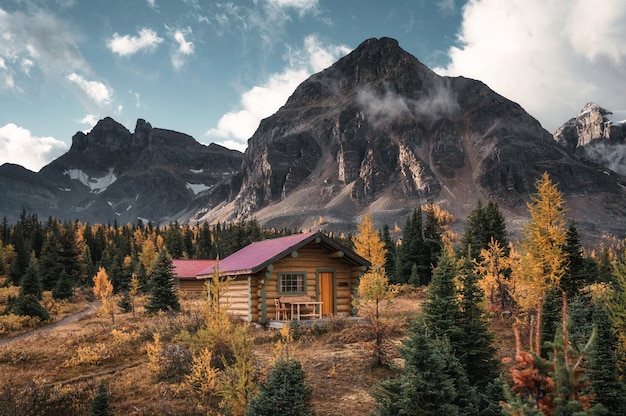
[377,132]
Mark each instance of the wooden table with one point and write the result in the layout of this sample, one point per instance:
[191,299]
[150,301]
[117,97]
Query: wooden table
[298,301]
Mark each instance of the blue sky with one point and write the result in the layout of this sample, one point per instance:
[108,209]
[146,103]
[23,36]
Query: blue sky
[215,69]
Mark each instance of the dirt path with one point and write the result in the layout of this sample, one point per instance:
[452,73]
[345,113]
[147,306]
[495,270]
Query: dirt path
[65,321]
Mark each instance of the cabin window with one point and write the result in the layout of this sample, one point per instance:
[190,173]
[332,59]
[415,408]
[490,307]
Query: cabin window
[291,283]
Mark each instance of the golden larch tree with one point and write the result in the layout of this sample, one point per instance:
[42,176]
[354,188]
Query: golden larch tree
[103,289]
[541,261]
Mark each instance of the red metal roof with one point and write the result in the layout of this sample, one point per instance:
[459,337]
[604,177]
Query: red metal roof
[260,254]
[189,269]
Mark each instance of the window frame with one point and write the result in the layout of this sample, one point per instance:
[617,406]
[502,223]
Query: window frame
[279,283]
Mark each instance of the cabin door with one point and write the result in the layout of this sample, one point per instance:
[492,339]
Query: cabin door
[327,292]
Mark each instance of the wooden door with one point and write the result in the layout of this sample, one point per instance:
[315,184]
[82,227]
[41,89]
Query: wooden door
[327,292]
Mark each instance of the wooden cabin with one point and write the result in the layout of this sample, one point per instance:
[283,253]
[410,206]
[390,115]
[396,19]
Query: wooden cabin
[289,268]
[186,272]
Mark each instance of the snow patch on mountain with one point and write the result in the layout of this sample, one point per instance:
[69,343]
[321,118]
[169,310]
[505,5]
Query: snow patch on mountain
[95,185]
[196,188]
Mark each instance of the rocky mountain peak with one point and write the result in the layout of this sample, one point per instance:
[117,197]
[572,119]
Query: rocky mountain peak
[596,134]
[107,134]
[379,131]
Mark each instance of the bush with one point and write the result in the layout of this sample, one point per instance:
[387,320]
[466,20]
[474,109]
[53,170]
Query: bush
[29,305]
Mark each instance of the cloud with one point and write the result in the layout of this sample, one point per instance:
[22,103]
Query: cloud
[38,41]
[19,146]
[152,4]
[550,57]
[261,101]
[446,7]
[130,45]
[183,48]
[301,6]
[96,91]
[90,120]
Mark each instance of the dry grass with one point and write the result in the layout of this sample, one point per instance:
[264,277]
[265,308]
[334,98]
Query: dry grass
[76,356]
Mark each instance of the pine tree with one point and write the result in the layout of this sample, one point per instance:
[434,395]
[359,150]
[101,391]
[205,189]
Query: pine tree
[484,223]
[577,270]
[162,285]
[602,369]
[390,255]
[29,305]
[100,404]
[71,254]
[432,383]
[475,348]
[50,261]
[22,258]
[63,288]
[285,392]
[31,283]
[441,308]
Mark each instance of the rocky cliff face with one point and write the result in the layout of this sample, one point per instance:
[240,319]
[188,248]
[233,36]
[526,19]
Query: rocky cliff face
[598,135]
[378,131]
[111,174]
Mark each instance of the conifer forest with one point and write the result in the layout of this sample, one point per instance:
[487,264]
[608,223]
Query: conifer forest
[477,322]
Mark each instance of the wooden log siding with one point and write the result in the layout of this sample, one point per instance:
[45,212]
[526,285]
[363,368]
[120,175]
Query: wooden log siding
[188,285]
[310,260]
[237,297]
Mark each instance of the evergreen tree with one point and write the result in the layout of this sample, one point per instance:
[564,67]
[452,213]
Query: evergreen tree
[483,224]
[475,348]
[29,305]
[285,392]
[390,255]
[173,239]
[432,383]
[432,242]
[50,261]
[162,285]
[63,288]
[474,233]
[496,226]
[577,270]
[602,369]
[31,282]
[100,404]
[70,255]
[441,307]
[22,257]
[204,243]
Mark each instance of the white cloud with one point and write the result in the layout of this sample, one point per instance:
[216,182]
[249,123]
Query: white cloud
[302,6]
[183,48]
[261,101]
[90,120]
[130,45]
[19,146]
[39,40]
[152,4]
[550,57]
[95,90]
[447,7]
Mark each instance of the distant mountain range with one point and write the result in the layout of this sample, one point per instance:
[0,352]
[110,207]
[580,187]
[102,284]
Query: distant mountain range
[376,132]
